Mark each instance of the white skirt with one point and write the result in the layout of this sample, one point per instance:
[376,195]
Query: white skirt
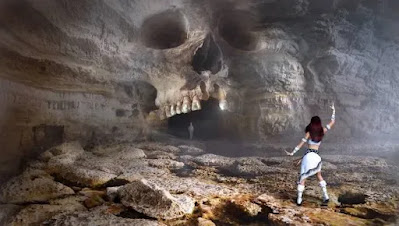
[311,164]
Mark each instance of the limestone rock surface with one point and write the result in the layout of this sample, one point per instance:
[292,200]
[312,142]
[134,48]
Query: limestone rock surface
[213,189]
[32,186]
[7,211]
[192,186]
[36,214]
[119,151]
[154,201]
[165,163]
[205,222]
[116,70]
[97,218]
[213,160]
[191,150]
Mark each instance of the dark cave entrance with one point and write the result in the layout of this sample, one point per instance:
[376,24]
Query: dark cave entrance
[207,122]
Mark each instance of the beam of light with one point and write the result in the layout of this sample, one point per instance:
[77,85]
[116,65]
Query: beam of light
[223,105]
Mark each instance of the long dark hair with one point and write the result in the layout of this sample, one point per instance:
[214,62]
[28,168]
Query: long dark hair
[315,129]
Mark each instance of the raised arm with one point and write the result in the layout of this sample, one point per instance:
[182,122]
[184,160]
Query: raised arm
[332,122]
[299,146]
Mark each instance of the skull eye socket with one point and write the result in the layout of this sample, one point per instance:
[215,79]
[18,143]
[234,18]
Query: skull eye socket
[164,30]
[237,29]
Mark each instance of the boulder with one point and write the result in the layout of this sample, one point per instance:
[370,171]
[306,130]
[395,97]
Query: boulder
[69,162]
[32,186]
[83,176]
[65,153]
[153,201]
[119,151]
[192,186]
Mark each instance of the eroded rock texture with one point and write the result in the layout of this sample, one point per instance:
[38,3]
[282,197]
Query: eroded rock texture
[98,71]
[253,190]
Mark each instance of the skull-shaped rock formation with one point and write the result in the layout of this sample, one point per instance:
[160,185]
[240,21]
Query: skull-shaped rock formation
[113,70]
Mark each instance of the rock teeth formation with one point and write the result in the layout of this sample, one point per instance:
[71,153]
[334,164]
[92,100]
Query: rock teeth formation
[196,105]
[119,71]
[178,107]
[168,112]
[172,110]
[186,107]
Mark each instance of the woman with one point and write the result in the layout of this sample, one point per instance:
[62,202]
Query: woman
[311,161]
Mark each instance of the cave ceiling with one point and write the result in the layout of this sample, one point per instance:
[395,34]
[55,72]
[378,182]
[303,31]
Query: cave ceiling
[293,54]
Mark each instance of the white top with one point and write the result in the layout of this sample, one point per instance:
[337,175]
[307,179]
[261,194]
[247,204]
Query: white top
[311,142]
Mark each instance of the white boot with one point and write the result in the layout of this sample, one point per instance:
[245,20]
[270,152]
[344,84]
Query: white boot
[300,188]
[323,186]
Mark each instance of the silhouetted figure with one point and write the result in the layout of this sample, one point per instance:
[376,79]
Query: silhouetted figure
[191,130]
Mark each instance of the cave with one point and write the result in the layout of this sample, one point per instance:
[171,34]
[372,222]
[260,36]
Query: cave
[96,99]
[207,122]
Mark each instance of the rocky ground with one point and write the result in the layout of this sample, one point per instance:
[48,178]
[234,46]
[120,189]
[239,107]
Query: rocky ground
[182,184]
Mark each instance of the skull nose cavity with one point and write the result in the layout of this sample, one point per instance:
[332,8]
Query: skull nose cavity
[165,30]
[237,29]
[208,57]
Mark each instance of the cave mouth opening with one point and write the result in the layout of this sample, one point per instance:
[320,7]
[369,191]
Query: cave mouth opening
[207,122]
[164,30]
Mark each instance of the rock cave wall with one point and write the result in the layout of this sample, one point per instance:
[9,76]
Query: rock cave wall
[316,54]
[33,120]
[91,70]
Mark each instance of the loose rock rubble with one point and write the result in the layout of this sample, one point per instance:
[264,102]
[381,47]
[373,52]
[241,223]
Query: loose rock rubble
[127,185]
[96,218]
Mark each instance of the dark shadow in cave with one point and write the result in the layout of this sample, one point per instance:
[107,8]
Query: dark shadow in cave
[236,28]
[208,123]
[165,30]
[209,57]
